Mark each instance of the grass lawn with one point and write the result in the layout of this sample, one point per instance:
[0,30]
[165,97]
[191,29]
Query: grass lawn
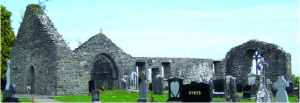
[126,96]
[112,96]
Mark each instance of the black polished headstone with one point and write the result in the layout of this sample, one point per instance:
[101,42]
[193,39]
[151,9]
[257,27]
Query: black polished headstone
[91,85]
[219,85]
[239,88]
[175,85]
[247,91]
[196,92]
[290,89]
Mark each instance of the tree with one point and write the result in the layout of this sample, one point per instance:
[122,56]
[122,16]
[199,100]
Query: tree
[7,39]
[296,81]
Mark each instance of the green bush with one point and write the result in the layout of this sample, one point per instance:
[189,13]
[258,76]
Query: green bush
[296,81]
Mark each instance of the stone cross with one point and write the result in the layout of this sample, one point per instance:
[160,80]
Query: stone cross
[7,75]
[281,95]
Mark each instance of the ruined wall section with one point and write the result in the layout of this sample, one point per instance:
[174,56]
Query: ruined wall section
[186,68]
[38,44]
[97,45]
[238,60]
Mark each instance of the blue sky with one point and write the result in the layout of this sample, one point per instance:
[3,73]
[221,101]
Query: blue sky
[187,28]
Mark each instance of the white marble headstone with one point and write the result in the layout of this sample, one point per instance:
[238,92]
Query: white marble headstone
[281,95]
[174,86]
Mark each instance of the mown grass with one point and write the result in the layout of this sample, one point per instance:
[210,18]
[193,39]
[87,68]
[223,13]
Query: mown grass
[126,96]
[112,96]
[291,99]
[219,99]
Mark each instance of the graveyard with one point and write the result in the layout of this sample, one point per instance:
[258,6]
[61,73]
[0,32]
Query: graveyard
[42,64]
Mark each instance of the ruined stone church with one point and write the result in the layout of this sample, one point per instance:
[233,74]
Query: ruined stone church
[41,60]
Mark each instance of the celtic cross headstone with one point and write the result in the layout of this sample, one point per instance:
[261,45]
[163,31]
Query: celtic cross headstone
[281,95]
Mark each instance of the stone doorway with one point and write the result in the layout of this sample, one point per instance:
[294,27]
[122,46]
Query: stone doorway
[104,74]
[31,80]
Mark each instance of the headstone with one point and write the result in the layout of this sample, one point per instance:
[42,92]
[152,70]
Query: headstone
[175,89]
[7,75]
[239,88]
[230,88]
[254,88]
[95,96]
[143,86]
[281,95]
[233,95]
[218,88]
[196,92]
[264,95]
[219,85]
[8,95]
[247,91]
[290,89]
[158,85]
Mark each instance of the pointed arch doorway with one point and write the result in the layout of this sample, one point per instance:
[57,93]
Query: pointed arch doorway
[104,73]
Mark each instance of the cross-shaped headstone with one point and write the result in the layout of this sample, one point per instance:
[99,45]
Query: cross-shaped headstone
[281,95]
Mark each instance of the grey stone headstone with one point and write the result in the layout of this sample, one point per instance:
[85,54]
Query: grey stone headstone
[158,85]
[143,86]
[233,94]
[95,95]
[281,95]
[230,88]
[227,86]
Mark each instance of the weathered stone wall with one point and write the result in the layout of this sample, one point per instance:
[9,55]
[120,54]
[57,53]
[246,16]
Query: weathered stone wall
[186,68]
[39,45]
[89,52]
[238,60]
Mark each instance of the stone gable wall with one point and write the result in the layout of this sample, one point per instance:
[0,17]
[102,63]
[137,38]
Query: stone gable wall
[238,63]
